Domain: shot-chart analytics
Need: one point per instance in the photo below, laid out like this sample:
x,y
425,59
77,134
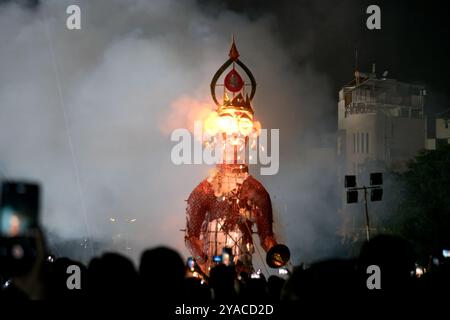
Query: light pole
x,y
376,194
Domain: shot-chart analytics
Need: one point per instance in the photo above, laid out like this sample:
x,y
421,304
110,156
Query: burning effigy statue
x,y
223,210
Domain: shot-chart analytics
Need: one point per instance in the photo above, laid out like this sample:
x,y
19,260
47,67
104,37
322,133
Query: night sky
x,y
411,44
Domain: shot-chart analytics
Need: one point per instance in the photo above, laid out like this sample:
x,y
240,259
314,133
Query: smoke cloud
x,y
88,113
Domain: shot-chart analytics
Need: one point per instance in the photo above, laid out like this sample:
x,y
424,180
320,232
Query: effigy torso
x,y
232,203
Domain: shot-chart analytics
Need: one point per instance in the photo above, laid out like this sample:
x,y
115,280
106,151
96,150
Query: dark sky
x,y
411,44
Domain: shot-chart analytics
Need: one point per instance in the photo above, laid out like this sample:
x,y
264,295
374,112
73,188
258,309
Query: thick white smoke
x,y
87,112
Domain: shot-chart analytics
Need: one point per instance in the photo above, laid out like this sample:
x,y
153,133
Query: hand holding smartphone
x,y
19,212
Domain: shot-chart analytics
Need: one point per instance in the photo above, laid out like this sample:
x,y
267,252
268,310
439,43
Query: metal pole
x,y
215,238
367,214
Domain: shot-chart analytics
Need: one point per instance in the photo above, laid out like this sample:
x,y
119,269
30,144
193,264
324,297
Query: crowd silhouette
x,y
163,277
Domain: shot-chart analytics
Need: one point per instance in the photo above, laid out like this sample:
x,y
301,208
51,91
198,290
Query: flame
x,y
245,126
236,124
232,122
211,125
183,112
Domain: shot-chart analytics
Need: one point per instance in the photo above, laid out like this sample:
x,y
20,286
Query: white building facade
x,y
441,133
381,126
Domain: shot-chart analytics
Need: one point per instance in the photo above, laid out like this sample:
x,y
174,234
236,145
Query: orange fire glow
x,y
232,122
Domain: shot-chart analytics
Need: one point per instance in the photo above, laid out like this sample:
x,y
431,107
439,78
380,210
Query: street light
x,y
376,193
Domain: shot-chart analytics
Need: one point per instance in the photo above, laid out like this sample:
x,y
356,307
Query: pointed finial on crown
x,y
234,54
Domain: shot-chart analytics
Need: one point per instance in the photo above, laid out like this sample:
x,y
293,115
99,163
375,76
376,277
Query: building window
x,y
354,143
357,142
362,142
367,142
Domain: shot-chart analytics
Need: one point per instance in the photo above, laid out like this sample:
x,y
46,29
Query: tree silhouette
x,y
423,213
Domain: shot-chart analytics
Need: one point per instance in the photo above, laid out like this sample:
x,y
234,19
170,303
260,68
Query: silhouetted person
x,y
161,273
328,278
221,280
194,291
112,276
275,285
255,290
57,278
395,257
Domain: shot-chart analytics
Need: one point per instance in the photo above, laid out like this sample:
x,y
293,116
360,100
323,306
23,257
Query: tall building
x,y
381,126
440,130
